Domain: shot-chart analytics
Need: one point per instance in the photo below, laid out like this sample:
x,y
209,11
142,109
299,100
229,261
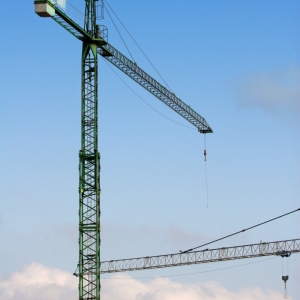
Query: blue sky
x,y
237,64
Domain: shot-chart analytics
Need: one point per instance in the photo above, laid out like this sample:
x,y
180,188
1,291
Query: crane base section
x,y
45,8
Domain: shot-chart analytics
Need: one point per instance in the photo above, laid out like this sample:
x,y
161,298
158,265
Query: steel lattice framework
x,y
200,257
89,167
89,180
150,84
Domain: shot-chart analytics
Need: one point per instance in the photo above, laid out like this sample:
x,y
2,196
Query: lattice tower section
x,y
89,183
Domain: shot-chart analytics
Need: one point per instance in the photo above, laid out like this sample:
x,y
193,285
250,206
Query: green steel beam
x,y
71,26
131,69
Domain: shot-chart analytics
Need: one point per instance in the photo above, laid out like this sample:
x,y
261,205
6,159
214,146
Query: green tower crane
x,y
94,41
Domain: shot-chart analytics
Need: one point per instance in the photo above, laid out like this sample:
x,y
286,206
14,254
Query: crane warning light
x,y
45,8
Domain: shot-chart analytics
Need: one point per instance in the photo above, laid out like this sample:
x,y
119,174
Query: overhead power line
x,y
240,231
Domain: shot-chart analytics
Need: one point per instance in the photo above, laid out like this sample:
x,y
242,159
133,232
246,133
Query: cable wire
x,y
186,274
240,231
138,46
119,33
147,102
206,182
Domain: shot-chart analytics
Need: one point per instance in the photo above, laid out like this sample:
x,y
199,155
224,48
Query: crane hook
x,y
204,147
285,279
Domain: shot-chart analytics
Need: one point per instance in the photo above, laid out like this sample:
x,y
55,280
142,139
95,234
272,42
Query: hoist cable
x,y
240,231
206,183
138,46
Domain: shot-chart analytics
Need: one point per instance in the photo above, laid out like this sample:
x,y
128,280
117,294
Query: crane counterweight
x,y
45,8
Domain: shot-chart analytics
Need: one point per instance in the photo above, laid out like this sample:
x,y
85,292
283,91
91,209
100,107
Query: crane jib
x,y
137,74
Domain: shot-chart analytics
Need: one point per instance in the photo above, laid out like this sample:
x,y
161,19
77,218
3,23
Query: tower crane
x,y
94,41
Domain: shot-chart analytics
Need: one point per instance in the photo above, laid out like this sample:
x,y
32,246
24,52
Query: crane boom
x,y
202,256
131,69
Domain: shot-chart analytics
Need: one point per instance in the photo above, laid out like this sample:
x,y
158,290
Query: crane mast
x,y
89,166
90,17
89,181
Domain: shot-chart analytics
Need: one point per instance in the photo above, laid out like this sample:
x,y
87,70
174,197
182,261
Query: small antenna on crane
x,y
206,183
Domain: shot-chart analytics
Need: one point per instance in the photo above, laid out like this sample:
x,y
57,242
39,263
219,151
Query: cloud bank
x,y
165,289
272,91
37,282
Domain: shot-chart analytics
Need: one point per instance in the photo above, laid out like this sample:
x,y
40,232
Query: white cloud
x,y
165,289
37,282
272,91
